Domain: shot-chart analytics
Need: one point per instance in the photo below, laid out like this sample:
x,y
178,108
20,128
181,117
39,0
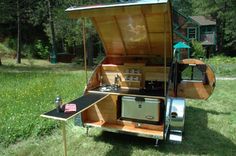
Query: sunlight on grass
x,y
210,129
24,96
33,65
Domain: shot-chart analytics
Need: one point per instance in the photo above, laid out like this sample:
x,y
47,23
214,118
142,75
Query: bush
x,y
198,50
41,50
10,43
4,50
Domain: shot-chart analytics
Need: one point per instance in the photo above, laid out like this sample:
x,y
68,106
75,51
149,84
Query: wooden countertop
x,y
131,92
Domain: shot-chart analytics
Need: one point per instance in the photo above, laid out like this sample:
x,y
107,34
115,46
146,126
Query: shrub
x,y
41,50
10,43
198,50
4,50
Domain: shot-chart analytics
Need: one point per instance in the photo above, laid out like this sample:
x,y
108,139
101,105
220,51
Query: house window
x,y
192,33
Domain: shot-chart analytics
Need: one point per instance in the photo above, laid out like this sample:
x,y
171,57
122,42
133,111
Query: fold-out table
x,y
82,103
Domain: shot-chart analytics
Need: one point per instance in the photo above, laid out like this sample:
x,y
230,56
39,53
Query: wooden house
x,y
200,28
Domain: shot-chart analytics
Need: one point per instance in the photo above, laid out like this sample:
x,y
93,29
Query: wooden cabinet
x,y
132,76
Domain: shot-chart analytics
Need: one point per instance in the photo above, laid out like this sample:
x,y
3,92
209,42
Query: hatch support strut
x,y
85,51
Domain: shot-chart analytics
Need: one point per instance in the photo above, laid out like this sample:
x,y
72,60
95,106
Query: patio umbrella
x,y
181,45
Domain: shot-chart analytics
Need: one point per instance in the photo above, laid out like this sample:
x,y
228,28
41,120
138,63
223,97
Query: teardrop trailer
x,y
139,88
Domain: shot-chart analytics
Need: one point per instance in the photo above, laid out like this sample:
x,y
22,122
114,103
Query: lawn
x,y
27,91
210,127
223,66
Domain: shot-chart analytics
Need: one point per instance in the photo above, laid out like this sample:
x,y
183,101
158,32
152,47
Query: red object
x,y
70,108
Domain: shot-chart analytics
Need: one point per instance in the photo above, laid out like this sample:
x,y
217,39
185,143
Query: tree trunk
x,y
18,51
53,52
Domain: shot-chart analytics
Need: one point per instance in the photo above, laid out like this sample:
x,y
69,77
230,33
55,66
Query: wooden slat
x,y
147,31
121,36
99,33
165,44
130,129
135,31
105,110
142,125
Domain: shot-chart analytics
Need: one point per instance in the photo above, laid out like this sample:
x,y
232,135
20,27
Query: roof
x,y
142,28
203,20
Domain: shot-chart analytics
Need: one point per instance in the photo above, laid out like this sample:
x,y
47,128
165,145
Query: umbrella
x,y
181,45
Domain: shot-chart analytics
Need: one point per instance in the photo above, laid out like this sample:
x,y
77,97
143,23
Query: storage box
x,y
140,108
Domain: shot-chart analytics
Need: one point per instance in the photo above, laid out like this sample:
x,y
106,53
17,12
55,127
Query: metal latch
x,y
149,117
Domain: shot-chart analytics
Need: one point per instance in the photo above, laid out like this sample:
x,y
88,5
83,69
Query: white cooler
x,y
139,108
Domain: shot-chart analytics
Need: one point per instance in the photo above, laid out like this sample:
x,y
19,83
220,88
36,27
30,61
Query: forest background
x,y
41,28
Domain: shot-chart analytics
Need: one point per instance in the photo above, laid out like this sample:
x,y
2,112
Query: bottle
x,y
58,103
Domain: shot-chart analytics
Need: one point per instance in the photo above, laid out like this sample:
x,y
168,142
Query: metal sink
x,y
108,88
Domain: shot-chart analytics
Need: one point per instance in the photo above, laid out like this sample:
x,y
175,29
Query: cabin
x,y
138,89
200,28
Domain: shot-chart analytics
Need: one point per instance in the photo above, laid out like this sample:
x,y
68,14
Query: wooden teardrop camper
x,y
139,88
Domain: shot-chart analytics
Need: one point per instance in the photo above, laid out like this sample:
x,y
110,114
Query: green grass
x,y
223,65
5,50
32,65
26,92
210,129
26,95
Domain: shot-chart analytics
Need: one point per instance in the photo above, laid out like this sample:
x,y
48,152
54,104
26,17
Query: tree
x,y
184,6
224,12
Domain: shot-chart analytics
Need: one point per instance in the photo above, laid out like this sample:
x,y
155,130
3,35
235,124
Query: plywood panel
x,y
153,9
157,42
155,73
155,23
109,32
127,30
193,90
153,133
105,110
197,90
149,73
143,125
134,33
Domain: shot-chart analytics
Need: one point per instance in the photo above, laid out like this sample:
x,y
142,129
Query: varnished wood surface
x,y
143,125
195,89
104,110
147,73
132,30
125,128
82,103
132,92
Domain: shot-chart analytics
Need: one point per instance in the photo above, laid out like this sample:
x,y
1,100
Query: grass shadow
x,y
198,139
41,68
124,144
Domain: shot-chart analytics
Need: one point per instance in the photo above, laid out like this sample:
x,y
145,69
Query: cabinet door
x,y
195,79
